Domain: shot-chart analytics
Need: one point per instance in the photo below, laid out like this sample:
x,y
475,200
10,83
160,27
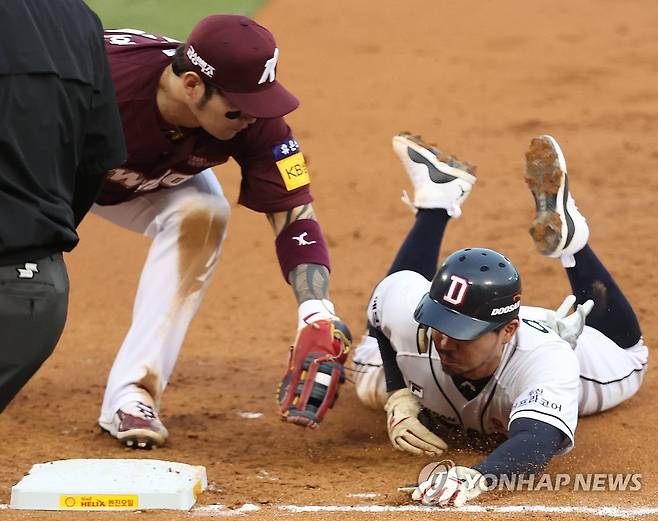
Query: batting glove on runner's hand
x,y
315,371
452,488
569,327
404,428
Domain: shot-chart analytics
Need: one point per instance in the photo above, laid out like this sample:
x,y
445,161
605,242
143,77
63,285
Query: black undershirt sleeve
x,y
530,446
394,379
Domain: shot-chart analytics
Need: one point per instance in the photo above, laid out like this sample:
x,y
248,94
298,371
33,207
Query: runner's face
x,y
473,359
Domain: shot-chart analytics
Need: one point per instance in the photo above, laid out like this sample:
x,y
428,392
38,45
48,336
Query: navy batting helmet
x,y
475,291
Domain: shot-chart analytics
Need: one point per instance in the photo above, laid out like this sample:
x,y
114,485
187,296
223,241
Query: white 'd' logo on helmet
x,y
269,74
456,291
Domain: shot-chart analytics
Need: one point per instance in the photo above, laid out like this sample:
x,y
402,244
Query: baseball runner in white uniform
x,y
461,352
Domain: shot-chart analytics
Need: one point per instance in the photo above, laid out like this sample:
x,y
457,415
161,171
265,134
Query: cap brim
x,y
450,322
273,102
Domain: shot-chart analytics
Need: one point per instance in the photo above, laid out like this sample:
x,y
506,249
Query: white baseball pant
x,y
187,225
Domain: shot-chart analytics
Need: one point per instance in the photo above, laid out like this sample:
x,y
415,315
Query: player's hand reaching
x,y
315,371
404,428
569,327
452,488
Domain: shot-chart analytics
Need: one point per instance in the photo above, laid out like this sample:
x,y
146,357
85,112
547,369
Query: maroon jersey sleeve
x,y
274,174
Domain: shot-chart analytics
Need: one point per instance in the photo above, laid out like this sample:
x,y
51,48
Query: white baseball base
x,y
109,484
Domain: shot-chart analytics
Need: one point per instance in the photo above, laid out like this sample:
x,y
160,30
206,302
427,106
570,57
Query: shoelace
x,y
145,411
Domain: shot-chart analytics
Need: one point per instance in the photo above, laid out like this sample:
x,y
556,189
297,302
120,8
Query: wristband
x,y
301,242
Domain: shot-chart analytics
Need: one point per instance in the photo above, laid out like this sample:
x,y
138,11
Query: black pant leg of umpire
x,y
32,316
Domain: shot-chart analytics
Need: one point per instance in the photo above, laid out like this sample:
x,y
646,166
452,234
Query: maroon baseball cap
x,y
239,57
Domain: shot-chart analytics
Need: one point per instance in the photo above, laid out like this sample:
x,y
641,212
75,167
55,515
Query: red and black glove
x,y
315,371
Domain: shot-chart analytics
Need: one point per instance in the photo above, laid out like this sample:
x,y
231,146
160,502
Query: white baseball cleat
x,y
137,425
559,229
438,182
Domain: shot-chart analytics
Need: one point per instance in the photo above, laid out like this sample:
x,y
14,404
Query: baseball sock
x,y
612,314
420,250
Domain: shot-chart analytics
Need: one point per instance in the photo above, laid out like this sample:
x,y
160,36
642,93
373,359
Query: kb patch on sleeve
x,y
291,164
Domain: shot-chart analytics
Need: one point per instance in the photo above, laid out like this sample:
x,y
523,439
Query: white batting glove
x,y
452,488
569,327
405,430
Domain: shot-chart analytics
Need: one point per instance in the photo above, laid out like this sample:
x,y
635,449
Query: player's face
x,y
473,359
216,115
220,118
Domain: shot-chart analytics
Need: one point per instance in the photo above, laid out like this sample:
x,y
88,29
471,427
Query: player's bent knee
x,y
205,217
203,227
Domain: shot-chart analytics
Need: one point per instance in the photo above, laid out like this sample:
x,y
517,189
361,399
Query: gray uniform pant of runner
x,y
33,307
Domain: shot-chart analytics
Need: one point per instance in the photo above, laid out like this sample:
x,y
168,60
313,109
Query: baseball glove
x,y
315,371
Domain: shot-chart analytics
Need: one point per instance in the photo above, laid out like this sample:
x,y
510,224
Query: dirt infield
x,y
480,78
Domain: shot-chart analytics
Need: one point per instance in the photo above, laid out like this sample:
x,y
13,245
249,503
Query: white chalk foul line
x,y
248,508
602,511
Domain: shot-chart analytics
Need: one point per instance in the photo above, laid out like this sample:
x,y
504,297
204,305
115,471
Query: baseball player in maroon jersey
x,y
186,108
